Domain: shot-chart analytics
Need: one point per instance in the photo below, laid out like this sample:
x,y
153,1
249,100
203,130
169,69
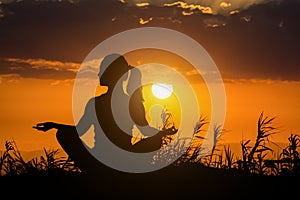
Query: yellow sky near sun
x,y
30,101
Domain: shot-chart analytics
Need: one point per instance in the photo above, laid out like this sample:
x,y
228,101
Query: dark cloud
x,y
203,6
38,68
260,41
266,45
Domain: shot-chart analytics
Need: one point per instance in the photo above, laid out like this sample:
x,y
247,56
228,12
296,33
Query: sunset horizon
x,y
150,99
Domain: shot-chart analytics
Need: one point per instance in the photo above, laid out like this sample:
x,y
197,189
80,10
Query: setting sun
x,y
162,91
110,98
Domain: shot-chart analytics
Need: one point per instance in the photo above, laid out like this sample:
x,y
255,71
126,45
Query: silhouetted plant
x,y
252,156
260,166
12,162
290,155
229,155
193,151
167,119
2,161
184,149
274,168
213,155
167,122
52,161
168,152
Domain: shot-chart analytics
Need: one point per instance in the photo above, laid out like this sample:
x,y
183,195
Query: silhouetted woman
x,y
98,113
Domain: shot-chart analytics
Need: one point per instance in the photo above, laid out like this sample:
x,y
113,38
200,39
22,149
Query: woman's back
x,y
118,136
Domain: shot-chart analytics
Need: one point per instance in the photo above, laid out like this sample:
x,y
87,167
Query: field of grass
x,y
219,174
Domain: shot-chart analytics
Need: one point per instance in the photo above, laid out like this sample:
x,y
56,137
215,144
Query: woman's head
x,y
112,69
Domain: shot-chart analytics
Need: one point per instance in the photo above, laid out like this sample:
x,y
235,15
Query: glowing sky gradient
x,y
254,43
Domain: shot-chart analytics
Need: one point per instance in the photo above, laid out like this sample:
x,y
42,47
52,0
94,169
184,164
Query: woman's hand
x,y
170,131
45,126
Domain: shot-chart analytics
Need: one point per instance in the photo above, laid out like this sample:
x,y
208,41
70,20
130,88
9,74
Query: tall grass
x,y
185,150
229,158
193,151
12,162
255,154
290,156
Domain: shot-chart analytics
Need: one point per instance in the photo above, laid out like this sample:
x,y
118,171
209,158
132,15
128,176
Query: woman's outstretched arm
x,y
46,126
82,126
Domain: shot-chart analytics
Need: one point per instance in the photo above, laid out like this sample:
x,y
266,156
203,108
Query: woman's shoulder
x,y
93,100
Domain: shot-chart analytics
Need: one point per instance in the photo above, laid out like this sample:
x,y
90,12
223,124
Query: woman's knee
x,y
66,135
59,136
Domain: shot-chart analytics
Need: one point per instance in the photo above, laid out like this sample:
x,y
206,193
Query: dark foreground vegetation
x,y
218,174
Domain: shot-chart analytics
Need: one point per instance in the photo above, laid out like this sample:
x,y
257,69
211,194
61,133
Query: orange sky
x,y
25,102
43,43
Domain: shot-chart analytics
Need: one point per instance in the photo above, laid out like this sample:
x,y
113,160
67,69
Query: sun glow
x,y
162,91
